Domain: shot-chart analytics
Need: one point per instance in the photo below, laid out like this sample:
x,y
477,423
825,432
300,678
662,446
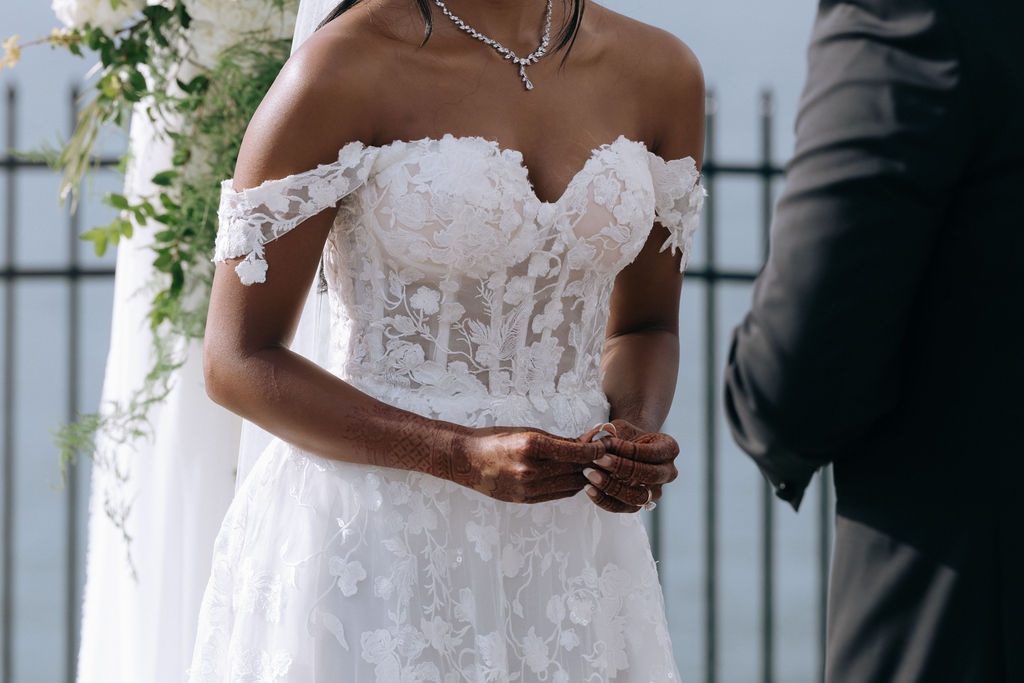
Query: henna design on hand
x,y
636,462
510,464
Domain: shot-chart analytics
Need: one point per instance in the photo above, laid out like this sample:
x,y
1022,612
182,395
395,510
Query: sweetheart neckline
x,y
518,159
493,147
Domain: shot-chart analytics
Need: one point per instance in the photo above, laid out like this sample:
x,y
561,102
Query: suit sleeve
x,y
815,365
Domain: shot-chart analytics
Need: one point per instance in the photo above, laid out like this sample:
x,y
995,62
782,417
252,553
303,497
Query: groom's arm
x,y
816,364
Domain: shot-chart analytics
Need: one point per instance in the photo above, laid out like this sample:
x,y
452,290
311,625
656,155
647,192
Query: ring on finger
x,y
649,504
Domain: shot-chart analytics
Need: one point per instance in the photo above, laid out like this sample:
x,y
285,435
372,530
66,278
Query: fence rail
x,y
764,170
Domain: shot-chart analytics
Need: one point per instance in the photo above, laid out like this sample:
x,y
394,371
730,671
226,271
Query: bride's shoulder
x,y
338,65
322,99
662,71
654,57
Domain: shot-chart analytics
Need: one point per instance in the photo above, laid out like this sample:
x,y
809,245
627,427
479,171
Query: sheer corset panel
x,y
455,292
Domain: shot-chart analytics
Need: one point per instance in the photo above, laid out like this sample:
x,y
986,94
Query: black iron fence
x,y
12,275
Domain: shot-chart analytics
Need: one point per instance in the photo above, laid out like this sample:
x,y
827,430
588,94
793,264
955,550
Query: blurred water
x,y
744,47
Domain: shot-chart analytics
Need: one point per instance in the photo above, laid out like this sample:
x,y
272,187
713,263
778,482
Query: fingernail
x,y
592,475
604,461
591,491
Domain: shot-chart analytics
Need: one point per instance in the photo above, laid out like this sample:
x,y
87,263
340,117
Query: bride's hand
x,y
519,465
634,468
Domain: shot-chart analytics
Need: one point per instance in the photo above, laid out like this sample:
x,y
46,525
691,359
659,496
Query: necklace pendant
x,y
526,80
521,62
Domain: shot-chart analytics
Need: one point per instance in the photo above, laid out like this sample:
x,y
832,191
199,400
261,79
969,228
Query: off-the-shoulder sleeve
x,y
678,200
252,218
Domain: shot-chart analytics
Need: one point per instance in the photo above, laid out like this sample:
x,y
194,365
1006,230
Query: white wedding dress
x,y
457,294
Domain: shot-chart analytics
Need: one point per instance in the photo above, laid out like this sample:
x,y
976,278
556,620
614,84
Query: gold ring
x,y
610,428
649,504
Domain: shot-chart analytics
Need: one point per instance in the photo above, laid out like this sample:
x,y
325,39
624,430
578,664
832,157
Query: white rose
x,y
208,39
100,14
220,24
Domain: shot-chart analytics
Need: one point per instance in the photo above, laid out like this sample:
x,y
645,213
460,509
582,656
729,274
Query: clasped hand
x,y
520,465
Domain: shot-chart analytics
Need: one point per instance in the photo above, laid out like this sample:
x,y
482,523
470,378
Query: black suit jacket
x,y
886,334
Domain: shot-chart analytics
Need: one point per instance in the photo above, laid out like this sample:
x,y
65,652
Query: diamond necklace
x,y
522,62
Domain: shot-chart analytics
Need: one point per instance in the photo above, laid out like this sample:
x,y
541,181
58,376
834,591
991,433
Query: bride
x,y
497,198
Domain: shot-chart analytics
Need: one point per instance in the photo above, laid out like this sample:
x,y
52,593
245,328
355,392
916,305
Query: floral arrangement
x,y
198,69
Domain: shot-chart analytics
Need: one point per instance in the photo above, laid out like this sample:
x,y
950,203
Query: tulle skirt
x,y
328,571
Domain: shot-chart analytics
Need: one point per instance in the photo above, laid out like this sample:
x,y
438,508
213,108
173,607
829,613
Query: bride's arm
x,y
250,370
641,354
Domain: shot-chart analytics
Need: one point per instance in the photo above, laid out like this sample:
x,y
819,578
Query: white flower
x,y
411,209
273,668
322,193
581,255
484,538
492,650
378,645
540,264
252,270
615,582
569,640
421,517
402,324
580,610
550,319
219,25
405,356
487,355
411,643
511,560
438,633
629,208
517,290
606,190
349,574
429,373
398,492
536,652
99,14
617,231
208,40
426,299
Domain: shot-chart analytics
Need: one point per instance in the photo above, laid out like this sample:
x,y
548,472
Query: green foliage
x,y
126,58
211,112
214,110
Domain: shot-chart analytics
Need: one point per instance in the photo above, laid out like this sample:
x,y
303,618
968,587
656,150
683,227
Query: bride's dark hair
x,y
566,37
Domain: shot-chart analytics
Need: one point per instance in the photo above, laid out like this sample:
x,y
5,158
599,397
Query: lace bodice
x,y
455,292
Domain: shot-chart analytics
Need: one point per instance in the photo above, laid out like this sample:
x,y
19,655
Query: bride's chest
x,y
465,205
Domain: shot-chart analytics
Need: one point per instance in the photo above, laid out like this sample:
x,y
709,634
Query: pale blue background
x,y
745,46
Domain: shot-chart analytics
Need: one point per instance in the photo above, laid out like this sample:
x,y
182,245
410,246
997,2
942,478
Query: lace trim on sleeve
x,y
678,199
252,218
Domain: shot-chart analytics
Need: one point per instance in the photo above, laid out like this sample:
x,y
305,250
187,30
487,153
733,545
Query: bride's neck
x,y
503,20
